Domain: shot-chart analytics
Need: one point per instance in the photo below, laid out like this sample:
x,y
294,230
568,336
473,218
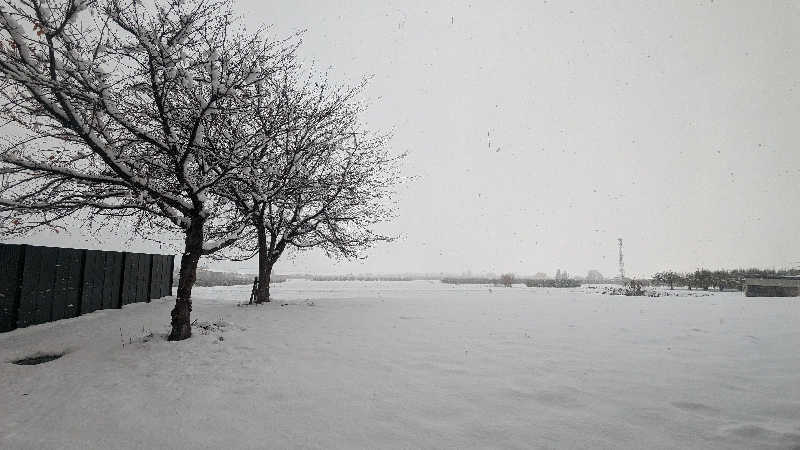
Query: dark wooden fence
x,y
43,284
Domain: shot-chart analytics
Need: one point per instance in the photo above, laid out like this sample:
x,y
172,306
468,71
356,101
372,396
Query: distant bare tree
x,y
507,279
115,107
703,278
668,278
688,280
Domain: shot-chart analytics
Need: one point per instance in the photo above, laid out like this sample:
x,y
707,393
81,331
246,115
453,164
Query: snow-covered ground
x,y
412,365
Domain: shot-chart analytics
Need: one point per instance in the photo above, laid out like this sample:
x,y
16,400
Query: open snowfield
x,y
412,365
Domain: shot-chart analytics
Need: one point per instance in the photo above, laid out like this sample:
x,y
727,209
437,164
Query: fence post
x,y
79,308
17,289
150,258
122,280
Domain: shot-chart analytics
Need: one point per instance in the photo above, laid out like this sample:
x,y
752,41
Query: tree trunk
x,y
193,249
264,273
264,267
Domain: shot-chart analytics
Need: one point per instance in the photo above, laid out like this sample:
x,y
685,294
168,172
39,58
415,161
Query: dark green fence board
x,y
112,277
143,278
10,278
26,304
160,283
43,291
166,280
131,271
169,275
66,292
155,277
36,295
93,277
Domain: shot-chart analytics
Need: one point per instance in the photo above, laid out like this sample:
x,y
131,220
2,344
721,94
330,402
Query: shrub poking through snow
x,y
216,326
634,288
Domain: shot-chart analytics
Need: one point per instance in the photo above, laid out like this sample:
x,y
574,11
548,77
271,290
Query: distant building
x,y
772,287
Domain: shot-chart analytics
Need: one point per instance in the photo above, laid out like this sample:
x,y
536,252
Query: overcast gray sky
x,y
540,131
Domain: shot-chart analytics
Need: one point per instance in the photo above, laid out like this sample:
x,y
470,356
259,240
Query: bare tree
x,y
114,108
667,277
322,182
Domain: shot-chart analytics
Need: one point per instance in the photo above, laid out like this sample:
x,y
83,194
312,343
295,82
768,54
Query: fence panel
x,y
136,279
155,277
93,278
66,290
169,261
112,279
130,272
143,278
164,275
38,277
26,304
10,274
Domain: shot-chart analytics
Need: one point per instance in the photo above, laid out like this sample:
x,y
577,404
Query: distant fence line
x,y
43,284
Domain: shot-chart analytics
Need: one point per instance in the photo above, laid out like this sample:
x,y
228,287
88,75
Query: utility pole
x,y
621,262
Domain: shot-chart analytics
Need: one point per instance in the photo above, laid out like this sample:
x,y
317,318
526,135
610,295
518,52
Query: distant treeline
x,y
212,278
553,283
719,279
351,277
506,280
471,281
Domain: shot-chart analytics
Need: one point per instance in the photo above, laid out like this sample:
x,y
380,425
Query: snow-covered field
x,y
412,365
